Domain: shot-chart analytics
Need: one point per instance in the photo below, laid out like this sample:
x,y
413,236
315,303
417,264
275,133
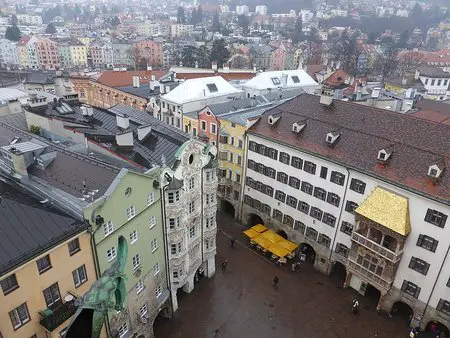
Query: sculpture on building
x,y
107,293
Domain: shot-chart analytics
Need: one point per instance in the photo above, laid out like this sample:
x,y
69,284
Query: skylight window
x,y
276,81
212,87
295,79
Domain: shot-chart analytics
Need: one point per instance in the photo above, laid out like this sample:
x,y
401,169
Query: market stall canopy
x,y
263,242
288,245
278,250
259,228
272,236
251,233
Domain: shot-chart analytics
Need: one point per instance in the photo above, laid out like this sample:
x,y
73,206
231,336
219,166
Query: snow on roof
x,y
294,78
200,88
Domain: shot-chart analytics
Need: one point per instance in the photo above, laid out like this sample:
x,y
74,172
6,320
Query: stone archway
x,y
437,328
308,251
227,208
283,234
338,273
254,219
403,311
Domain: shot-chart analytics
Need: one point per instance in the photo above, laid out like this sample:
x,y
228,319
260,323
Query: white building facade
x,y
190,208
390,235
9,56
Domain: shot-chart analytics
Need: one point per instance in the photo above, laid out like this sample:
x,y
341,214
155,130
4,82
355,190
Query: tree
x,y
297,34
13,33
216,23
403,39
136,56
14,20
346,52
181,18
50,28
194,16
243,22
219,52
387,62
189,56
239,62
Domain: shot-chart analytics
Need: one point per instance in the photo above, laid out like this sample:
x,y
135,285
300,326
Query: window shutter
x,y
440,304
443,220
427,266
412,263
404,285
420,240
428,215
416,294
434,246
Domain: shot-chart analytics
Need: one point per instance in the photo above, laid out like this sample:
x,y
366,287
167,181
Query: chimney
x,y
87,111
152,85
326,97
143,132
226,69
284,78
254,68
376,92
214,65
123,121
125,139
153,77
196,64
167,88
136,83
149,68
397,105
358,95
404,81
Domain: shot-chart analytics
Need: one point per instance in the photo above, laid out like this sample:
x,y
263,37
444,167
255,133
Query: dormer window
x,y
212,87
273,119
435,170
298,126
331,138
276,81
384,154
295,79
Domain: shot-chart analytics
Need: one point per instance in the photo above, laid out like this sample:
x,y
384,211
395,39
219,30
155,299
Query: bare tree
x,y
346,52
387,62
239,61
409,61
136,56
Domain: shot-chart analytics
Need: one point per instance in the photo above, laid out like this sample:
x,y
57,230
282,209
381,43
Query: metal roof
x,y
9,94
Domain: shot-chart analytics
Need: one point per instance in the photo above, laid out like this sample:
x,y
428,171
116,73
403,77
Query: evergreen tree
x,y
297,34
243,22
14,20
216,23
219,52
13,33
50,28
181,18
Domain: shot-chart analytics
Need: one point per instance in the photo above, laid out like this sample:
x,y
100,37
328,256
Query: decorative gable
x,y
332,137
385,154
436,170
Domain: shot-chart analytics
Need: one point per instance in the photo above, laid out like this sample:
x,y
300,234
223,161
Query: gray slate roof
x,y
28,228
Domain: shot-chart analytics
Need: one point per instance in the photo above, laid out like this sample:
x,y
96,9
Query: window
x,y
131,212
210,175
174,196
410,288
337,177
123,329
288,220
111,253
433,82
272,153
320,193
192,232
443,306
174,222
44,264
238,178
156,269
240,143
143,310
350,207
278,215
212,87
323,172
154,244
232,141
284,158
279,195
253,146
299,226
329,219
419,265
358,186
139,286
270,172
150,198
158,291
74,246
191,183
294,182
52,296
307,188
276,81
346,228
108,228
9,284
239,159
311,233
295,79
282,177
231,158
324,240
309,167
213,128
316,213
192,206
342,249
203,125
427,243
79,276
152,221
303,207
210,221
19,316
291,201
296,162
435,217
136,261
133,237
333,199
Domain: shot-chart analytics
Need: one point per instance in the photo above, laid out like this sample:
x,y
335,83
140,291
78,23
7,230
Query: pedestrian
x,y
293,266
275,281
232,241
224,265
355,306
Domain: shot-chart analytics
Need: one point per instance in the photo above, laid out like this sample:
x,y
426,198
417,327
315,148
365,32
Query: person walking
x,y
275,282
224,265
232,241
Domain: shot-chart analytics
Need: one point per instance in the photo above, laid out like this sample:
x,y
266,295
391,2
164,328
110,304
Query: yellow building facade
x,y
69,273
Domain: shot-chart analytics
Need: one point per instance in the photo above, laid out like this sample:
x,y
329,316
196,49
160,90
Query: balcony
x,y
52,319
353,266
374,246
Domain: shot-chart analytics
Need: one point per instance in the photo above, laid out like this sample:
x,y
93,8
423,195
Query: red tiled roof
x,y
433,111
313,69
417,143
125,78
337,78
226,76
24,40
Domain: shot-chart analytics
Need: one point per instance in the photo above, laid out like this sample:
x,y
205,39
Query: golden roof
x,y
259,228
388,209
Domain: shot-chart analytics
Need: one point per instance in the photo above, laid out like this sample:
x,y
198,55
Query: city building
x,y
179,30
242,9
333,176
101,54
192,95
73,53
436,83
152,51
261,10
26,48
47,53
29,20
9,57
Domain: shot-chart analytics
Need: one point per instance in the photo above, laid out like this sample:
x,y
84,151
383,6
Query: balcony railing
x,y
54,318
374,246
352,265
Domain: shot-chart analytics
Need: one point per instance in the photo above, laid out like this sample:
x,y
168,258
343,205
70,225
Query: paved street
x,y
241,302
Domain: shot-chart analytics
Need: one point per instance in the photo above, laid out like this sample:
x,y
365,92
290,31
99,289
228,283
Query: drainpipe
x,y
340,215
244,176
434,285
201,215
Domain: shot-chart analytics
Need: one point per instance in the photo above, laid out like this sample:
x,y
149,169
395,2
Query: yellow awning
x,y
388,209
288,245
278,250
251,233
272,236
259,228
261,241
